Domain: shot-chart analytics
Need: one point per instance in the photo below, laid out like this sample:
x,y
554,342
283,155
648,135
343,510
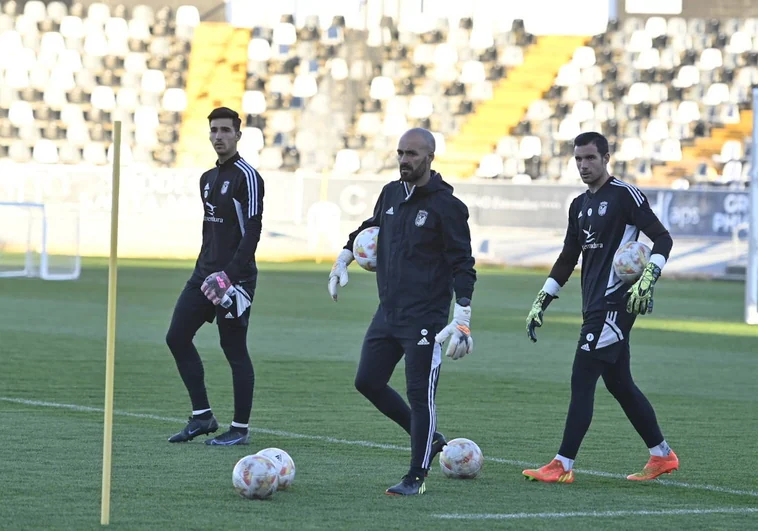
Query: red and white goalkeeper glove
x,y
459,333
215,287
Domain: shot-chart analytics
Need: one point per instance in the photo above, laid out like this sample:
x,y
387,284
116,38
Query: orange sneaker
x,y
552,472
656,466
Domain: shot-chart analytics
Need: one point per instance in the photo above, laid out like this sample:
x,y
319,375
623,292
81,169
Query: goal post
x,y
39,241
751,272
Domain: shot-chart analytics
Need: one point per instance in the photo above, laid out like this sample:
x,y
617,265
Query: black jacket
x,y
232,195
423,250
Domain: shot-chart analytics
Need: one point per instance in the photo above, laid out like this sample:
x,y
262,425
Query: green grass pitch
x,y
693,357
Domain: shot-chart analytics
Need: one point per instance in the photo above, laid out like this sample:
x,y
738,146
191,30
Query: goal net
x,y
39,241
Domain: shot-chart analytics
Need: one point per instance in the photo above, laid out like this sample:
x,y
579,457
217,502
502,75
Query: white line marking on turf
x,y
366,444
596,514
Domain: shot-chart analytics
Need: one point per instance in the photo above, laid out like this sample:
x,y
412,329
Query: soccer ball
x,y
364,248
461,459
630,260
284,464
255,477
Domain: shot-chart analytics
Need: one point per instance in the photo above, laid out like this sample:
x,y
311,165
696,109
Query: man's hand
x,y
339,272
458,331
534,318
215,287
641,293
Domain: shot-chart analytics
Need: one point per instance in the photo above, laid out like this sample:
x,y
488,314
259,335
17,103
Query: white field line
x,y
366,444
596,514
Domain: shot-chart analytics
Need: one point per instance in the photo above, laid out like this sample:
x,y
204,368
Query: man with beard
x,y
423,257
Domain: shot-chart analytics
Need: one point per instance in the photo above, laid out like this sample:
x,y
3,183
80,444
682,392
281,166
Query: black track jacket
x,y
423,250
232,195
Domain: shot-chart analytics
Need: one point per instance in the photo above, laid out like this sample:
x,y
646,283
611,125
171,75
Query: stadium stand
x,y
671,94
68,72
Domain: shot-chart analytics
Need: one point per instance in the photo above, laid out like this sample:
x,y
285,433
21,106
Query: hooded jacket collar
x,y
435,184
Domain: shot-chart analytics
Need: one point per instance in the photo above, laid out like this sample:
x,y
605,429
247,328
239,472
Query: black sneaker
x,y
438,444
230,438
194,428
410,486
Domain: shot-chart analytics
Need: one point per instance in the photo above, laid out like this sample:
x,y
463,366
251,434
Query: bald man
x,y
423,258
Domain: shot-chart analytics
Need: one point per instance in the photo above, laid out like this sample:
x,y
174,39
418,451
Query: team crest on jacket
x,y
224,187
602,208
421,217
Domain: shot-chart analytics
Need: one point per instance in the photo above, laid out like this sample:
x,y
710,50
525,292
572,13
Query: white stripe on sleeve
x,y
633,190
251,175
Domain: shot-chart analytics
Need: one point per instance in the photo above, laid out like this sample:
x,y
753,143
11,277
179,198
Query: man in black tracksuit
x,y
423,256
223,283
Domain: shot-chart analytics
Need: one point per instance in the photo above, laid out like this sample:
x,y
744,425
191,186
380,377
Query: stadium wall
x,y
308,216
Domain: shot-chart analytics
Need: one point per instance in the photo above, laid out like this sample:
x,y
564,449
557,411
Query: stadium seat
x,y
103,98
472,73
153,81
21,113
382,88
259,50
187,19
731,150
338,69
19,151
420,106
347,161
45,151
305,86
490,166
174,100
253,102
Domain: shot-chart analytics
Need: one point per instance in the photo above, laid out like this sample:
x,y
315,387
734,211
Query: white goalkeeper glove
x,y
458,331
339,272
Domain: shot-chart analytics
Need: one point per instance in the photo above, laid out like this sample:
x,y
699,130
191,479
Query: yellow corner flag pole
x,y
110,342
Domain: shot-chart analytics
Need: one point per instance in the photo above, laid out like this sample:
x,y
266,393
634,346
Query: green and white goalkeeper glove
x,y
339,272
534,318
459,333
641,293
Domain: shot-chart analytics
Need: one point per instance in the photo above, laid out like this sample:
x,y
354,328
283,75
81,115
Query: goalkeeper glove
x,y
339,272
215,286
641,293
534,318
458,331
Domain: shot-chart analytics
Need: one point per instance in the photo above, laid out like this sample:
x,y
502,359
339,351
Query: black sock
x,y
417,473
204,416
235,428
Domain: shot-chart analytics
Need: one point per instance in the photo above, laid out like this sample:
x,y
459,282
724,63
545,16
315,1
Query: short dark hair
x,y
226,112
601,143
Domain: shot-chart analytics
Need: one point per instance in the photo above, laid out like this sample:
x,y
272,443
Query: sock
x,y
567,463
661,450
417,473
236,426
202,414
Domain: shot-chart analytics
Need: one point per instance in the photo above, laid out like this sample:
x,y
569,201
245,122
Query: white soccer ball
x,y
255,477
364,248
461,459
284,464
630,260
